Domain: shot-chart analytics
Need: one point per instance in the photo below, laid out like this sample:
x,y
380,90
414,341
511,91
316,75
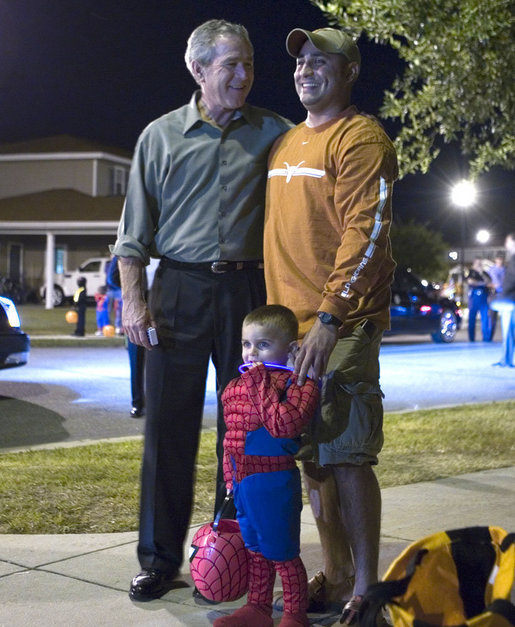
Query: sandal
x,y
317,595
324,596
351,610
316,586
318,591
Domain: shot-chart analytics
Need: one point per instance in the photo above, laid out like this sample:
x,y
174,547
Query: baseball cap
x,y
329,40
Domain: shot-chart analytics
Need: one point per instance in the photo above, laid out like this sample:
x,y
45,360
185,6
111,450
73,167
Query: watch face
x,y
327,318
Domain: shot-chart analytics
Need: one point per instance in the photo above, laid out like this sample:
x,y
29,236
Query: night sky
x,y
103,69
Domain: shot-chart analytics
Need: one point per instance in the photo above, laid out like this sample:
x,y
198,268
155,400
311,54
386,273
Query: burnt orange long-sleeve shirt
x,y
327,221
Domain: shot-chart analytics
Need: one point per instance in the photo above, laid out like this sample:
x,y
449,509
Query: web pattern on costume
x,y
261,398
219,562
295,585
293,578
261,579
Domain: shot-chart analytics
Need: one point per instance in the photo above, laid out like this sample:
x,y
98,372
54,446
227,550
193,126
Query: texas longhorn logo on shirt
x,y
295,170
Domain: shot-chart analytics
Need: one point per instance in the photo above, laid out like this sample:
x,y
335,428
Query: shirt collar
x,y
194,116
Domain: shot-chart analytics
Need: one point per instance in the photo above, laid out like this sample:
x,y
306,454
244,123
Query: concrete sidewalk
x,y
82,580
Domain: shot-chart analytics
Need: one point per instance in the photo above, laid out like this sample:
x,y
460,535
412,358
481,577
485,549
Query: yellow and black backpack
x,y
458,578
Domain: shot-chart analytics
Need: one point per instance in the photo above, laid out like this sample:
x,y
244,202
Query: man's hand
x,y
136,317
315,350
136,320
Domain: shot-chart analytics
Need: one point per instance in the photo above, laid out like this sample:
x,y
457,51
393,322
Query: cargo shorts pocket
x,y
350,425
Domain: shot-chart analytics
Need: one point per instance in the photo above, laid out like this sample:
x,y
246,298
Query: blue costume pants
x,y
268,509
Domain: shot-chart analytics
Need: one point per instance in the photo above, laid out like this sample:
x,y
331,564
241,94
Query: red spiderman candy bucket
x,y
219,560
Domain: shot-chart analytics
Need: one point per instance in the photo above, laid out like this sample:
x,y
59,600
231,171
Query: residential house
x,y
60,202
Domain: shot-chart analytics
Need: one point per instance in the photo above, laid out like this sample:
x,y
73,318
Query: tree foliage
x,y
457,81
418,247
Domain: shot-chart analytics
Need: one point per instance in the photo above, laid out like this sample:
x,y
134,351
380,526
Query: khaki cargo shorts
x,y
350,428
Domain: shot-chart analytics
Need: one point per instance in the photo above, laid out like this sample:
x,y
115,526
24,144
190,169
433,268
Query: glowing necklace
x,y
244,367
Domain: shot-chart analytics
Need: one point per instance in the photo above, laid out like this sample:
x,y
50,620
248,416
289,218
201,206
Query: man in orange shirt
x,y
328,258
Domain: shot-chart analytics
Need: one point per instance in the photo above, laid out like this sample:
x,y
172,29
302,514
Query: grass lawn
x,y
95,488
36,320
40,323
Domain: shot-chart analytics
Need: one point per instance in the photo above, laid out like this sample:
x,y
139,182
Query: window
x,y
15,256
118,181
60,258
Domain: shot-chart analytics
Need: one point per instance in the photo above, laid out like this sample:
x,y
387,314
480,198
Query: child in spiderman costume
x,y
265,411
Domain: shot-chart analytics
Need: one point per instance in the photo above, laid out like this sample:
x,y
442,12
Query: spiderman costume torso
x,y
265,411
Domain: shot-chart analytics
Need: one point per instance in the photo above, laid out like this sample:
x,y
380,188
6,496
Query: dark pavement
x,y
82,393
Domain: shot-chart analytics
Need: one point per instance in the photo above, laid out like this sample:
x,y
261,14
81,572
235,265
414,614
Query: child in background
x,y
265,411
80,300
114,291
102,300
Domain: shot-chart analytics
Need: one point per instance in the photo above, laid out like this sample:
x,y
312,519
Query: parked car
x,y
419,309
65,285
14,343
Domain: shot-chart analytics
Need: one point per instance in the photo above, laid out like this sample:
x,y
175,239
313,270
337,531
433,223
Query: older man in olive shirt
x,y
196,199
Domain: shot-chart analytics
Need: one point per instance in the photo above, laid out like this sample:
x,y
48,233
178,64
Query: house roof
x,y
61,144
59,205
64,211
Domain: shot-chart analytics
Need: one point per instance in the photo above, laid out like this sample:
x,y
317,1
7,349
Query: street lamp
x,y
463,195
482,237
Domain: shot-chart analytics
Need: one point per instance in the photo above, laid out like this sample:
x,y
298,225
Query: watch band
x,y
327,318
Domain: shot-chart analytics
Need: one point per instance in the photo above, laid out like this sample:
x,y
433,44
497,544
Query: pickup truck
x,y
65,285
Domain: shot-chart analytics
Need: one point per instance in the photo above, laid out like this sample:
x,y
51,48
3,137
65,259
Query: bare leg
x,y
325,503
360,500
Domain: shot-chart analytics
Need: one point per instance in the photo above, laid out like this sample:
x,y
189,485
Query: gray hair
x,y
203,39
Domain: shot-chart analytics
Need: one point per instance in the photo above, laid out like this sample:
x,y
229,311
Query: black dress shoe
x,y
136,412
151,584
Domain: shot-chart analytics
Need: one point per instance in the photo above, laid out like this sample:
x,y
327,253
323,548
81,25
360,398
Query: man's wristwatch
x,y
327,318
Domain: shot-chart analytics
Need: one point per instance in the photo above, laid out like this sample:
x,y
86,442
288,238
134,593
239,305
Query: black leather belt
x,y
216,267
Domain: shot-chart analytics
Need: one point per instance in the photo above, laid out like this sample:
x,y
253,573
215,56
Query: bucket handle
x,y
228,499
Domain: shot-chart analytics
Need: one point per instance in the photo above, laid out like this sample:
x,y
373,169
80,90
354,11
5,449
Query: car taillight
x,y
425,308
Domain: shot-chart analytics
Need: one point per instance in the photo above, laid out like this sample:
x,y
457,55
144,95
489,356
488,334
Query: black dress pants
x,y
198,316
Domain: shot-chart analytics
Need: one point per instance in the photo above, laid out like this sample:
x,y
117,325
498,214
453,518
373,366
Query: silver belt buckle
x,y
217,267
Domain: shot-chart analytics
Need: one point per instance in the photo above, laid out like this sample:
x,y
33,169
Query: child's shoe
x,y
249,615
294,620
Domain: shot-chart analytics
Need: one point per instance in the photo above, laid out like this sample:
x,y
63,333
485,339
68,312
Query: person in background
x,y
114,292
496,273
505,305
80,301
265,412
136,352
102,309
478,281
195,199
328,258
